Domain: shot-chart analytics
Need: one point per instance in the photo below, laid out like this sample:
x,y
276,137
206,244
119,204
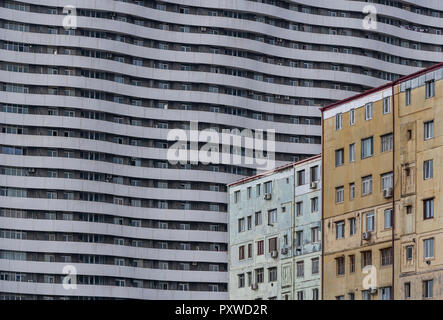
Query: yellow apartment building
x,y
382,214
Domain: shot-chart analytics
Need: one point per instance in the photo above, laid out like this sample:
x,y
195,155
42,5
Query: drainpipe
x,y
292,233
393,191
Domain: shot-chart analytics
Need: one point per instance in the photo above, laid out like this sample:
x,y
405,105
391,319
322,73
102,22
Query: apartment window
x,y
249,277
366,258
430,88
352,117
342,297
408,96
241,280
272,274
315,294
315,234
315,263
386,142
268,187
351,191
428,208
429,129
370,218
241,224
367,147
259,275
351,263
428,288
236,196
385,293
340,230
258,218
351,295
407,288
366,184
428,248
340,264
366,295
260,247
249,192
183,286
352,152
409,252
386,181
386,105
314,204
257,190
300,177
339,194
241,253
428,169
352,226
299,295
386,256
272,243
314,174
368,111
338,121
272,216
300,269
388,218
299,208
249,220
339,157
299,239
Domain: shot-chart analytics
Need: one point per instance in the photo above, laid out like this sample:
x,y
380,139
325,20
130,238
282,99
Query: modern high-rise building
x,y
90,91
381,157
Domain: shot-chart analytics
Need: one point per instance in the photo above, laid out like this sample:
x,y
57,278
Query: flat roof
x,y
384,86
269,172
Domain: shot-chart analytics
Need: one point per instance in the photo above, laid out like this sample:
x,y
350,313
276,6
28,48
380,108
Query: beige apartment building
x,y
382,217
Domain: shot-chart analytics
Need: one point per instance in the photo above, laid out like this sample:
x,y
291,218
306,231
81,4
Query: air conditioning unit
x,y
387,193
254,286
203,29
287,97
284,250
313,185
31,170
267,196
194,263
366,235
274,254
373,290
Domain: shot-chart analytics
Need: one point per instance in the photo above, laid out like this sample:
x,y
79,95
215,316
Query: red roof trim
x,y
267,173
390,84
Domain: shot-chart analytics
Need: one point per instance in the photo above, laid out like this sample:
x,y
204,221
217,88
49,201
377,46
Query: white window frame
x,y
428,169
386,105
366,185
428,129
352,117
370,216
339,194
338,121
369,111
